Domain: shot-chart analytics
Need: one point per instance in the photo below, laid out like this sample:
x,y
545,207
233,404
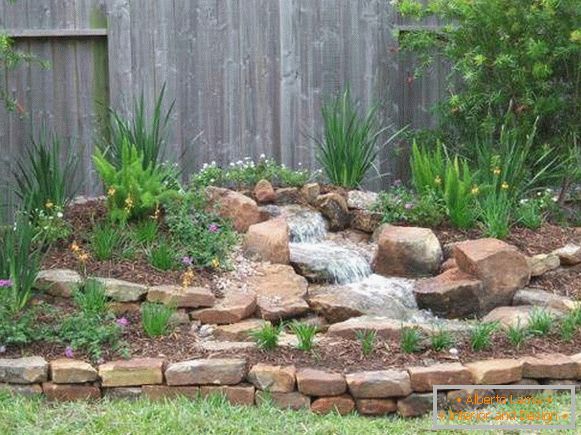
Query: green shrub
x,y
481,335
459,193
266,337
441,339
51,224
16,329
155,318
132,190
410,339
495,214
540,321
20,259
568,327
305,334
198,232
367,339
90,333
428,168
162,256
348,148
517,334
92,298
401,205
106,240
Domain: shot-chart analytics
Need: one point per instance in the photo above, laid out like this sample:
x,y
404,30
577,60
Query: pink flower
x,y
213,228
408,206
187,261
5,283
122,321
69,352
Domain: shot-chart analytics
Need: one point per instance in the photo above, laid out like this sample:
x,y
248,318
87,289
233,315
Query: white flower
x,y
453,351
300,164
263,156
59,214
213,163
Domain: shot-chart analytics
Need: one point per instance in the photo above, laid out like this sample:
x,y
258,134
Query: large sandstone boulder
x,y
58,282
501,268
280,292
365,220
268,241
334,207
242,210
543,263
264,192
407,251
310,192
569,255
452,294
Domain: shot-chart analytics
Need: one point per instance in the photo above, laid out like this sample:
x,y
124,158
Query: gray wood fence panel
x,y
248,76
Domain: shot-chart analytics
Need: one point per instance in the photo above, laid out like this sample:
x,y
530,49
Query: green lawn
x,y
214,416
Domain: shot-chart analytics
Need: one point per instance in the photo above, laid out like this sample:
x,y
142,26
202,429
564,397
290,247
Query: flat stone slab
x,y
542,298
133,372
58,282
515,316
123,291
379,384
219,371
70,371
160,392
241,394
26,390
124,393
273,378
424,378
312,382
496,371
551,366
415,405
294,400
234,307
28,370
385,328
222,346
376,407
238,331
180,297
70,392
343,404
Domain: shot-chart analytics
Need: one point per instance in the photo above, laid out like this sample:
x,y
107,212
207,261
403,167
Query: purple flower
x,y
5,283
408,206
69,352
213,228
122,321
2,349
187,261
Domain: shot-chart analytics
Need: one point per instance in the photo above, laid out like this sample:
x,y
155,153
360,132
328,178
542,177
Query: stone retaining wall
x,y
405,391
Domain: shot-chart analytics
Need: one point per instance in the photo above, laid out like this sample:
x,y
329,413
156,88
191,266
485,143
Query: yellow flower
x,y
83,257
475,190
111,191
438,180
49,205
496,171
215,263
504,185
75,247
188,278
129,202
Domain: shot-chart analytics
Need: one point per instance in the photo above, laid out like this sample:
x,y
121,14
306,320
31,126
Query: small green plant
x,y
367,339
91,298
481,335
266,338
517,334
540,321
16,329
51,224
441,339
348,148
401,205
155,318
145,231
428,167
106,240
568,326
459,193
162,256
305,334
495,213
410,339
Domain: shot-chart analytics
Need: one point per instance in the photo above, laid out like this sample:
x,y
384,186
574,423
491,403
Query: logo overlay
x,y
522,407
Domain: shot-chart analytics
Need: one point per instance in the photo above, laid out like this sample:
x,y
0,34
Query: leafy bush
x,y
42,182
162,256
401,205
155,318
348,148
20,258
540,321
91,298
481,335
16,329
106,240
266,337
199,233
305,334
410,339
133,191
441,339
90,333
367,339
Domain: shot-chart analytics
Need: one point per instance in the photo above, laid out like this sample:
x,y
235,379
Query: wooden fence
x,y
248,76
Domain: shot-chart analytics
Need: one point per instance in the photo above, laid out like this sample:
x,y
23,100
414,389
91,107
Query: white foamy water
x,y
305,225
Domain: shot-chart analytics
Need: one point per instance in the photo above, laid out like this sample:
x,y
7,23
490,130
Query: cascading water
x,y
305,225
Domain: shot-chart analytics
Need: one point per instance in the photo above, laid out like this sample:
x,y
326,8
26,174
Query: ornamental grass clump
x,y
266,337
305,334
367,339
155,318
540,321
410,339
481,335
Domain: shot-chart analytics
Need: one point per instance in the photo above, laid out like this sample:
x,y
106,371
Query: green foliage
x,y
144,232
42,181
410,339
198,232
91,298
133,191
20,258
155,318
305,334
266,337
441,339
540,321
530,214
428,167
51,224
459,192
106,241
348,148
481,335
148,136
499,56
517,334
367,339
495,213
401,205
162,255
16,329
568,327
